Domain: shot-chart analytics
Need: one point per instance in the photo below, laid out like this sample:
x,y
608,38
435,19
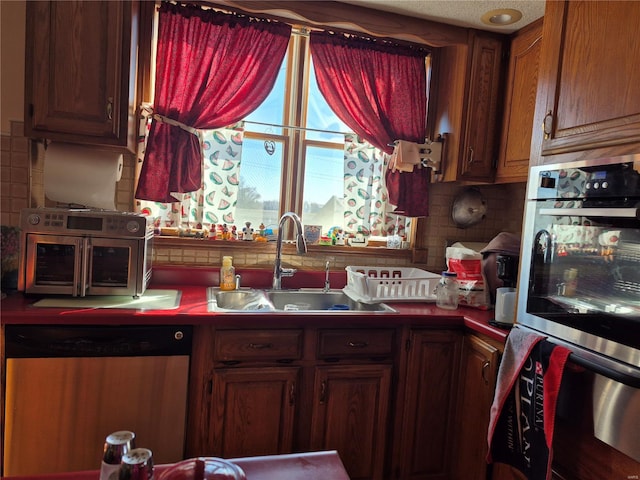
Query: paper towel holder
x,y
431,152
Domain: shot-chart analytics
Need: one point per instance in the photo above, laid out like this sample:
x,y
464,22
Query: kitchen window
x,y
292,153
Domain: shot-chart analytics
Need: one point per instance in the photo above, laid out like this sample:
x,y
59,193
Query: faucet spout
x,y
301,249
327,284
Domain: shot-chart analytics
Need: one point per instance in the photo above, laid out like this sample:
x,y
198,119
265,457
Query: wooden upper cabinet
x,y
478,157
81,72
588,102
467,101
519,105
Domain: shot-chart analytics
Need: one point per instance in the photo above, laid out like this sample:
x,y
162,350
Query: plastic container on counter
x,y
447,291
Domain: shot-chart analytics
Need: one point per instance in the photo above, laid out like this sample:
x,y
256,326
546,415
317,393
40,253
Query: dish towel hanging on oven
x,y
524,406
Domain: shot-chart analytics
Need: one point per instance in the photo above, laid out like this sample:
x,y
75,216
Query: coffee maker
x,y
507,271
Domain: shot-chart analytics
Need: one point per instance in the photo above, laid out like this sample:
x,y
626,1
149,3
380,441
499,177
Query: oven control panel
x,y
615,180
85,222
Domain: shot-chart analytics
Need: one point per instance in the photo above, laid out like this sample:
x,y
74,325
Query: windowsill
x,y
264,247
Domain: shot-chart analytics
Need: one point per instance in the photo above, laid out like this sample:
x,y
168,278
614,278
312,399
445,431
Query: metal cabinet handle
x,y
260,346
323,391
110,108
470,155
358,344
485,366
547,125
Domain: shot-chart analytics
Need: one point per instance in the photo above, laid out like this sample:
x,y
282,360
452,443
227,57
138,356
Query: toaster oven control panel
x,y
89,222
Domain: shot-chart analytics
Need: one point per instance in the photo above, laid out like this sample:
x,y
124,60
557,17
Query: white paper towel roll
x,y
80,175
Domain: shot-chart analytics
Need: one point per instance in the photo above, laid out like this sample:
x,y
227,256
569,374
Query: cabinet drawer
x,y
237,345
355,343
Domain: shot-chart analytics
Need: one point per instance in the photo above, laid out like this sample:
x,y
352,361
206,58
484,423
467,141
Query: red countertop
x,y
193,282
297,466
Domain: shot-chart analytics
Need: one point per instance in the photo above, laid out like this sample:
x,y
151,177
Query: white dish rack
x,y
383,284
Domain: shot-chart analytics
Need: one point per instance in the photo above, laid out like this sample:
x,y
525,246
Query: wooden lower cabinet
x,y
423,432
350,414
386,399
253,411
243,393
275,391
478,372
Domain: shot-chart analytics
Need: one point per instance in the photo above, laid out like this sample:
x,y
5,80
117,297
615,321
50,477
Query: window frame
x,y
363,20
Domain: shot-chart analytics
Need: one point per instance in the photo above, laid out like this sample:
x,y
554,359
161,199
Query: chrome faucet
x,y
301,249
327,284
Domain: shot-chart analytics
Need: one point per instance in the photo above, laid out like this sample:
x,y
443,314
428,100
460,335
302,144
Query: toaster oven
x,y
82,252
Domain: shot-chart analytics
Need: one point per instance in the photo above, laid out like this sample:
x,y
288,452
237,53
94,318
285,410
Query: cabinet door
x,y
478,373
80,72
252,411
423,448
479,154
350,415
519,105
589,87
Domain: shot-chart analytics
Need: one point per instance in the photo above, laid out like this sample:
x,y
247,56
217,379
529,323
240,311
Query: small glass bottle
x,y
137,464
116,445
447,291
227,274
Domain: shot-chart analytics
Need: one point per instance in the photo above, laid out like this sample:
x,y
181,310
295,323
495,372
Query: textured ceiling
x,y
463,13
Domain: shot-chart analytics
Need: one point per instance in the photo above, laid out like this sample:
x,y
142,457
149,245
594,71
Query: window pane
x,y
320,116
260,177
271,111
323,188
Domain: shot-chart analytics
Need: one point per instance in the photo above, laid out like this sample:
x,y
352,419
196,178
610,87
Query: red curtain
x,y
380,91
377,89
212,70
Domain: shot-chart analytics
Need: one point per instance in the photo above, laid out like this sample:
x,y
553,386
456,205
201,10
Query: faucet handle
x,y
287,272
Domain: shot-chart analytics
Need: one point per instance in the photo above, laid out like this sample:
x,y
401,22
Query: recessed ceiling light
x,y
501,16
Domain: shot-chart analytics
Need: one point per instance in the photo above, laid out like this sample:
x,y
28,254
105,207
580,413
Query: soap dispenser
x,y
227,274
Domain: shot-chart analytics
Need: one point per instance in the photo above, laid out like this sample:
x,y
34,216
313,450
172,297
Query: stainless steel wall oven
x,y
579,281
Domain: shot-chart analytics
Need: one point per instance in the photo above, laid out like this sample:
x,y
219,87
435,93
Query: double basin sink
x,y
248,300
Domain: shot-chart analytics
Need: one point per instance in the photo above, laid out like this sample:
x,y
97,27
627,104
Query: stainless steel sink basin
x,y
303,300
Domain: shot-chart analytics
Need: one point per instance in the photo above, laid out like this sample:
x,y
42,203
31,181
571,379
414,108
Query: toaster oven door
x,y
53,264
115,266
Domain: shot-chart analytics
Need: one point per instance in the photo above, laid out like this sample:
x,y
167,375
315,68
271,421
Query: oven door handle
x,y
592,212
85,274
630,379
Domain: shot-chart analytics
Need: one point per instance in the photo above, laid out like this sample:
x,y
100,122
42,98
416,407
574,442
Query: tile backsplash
x,y
23,186
15,174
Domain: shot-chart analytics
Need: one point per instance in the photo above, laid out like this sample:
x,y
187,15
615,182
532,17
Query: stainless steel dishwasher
x,y
68,387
